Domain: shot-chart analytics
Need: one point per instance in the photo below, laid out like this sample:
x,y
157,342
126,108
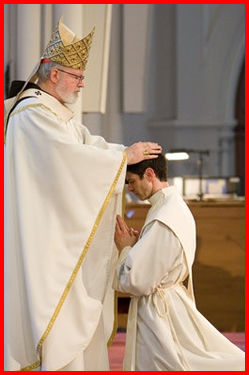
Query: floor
x,y
116,351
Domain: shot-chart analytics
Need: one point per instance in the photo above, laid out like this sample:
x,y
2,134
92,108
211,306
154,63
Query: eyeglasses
x,y
79,78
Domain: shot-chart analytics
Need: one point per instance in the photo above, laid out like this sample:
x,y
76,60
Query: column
x,y
135,53
28,39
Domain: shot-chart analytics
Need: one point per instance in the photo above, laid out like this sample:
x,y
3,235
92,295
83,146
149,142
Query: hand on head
x,y
141,151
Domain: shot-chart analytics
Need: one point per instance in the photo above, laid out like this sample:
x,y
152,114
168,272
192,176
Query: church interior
x,y
172,74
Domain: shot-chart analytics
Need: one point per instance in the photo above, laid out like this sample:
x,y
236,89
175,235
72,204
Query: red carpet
x,y
116,351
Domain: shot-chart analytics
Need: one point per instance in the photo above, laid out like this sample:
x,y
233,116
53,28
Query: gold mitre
x,y
66,49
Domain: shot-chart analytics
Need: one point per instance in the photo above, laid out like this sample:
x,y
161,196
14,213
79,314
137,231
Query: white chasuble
x,y
63,191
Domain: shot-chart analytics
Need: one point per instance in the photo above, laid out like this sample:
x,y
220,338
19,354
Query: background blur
x,y
170,73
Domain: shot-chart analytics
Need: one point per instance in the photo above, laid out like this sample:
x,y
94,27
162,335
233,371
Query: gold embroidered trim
x,y
31,367
83,254
32,106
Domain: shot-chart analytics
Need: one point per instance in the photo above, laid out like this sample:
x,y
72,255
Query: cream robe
x,y
63,191
165,330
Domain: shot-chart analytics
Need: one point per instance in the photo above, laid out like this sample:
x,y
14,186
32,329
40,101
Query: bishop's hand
x,y
142,151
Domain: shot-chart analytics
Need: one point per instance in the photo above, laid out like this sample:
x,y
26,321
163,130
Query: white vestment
x,y
165,330
63,190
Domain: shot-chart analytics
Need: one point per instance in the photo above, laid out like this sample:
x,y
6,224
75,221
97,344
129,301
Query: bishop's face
x,y
69,84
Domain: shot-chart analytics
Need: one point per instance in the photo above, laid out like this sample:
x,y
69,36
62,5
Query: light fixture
x,y
182,154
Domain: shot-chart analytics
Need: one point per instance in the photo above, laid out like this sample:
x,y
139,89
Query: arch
x,y
233,49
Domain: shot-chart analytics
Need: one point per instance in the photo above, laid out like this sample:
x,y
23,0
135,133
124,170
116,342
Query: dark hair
x,y
159,166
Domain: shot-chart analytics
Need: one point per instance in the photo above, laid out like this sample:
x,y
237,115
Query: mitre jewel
x,y
66,49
